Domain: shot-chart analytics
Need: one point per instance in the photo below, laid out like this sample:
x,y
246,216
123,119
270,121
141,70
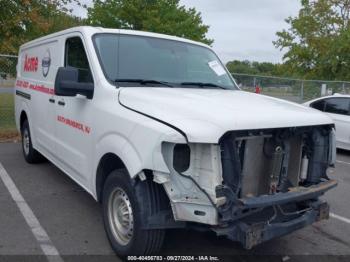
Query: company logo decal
x,y
30,64
85,129
46,62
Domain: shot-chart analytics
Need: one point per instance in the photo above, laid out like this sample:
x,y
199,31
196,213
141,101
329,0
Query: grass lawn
x,y
7,83
7,118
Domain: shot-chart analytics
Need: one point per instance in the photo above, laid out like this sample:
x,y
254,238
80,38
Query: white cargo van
x,y
155,128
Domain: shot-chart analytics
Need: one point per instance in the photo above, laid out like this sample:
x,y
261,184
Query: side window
x,y
319,105
75,56
338,106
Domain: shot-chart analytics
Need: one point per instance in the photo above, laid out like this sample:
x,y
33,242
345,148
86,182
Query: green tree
x,y
255,68
160,16
317,41
24,20
241,67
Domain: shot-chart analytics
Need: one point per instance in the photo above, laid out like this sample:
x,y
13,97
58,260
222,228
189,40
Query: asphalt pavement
x,y
72,221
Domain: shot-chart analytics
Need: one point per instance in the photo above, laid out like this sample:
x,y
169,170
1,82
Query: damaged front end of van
x,y
253,185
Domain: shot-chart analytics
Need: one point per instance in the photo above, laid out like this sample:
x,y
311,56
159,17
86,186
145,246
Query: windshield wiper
x,y
144,81
201,84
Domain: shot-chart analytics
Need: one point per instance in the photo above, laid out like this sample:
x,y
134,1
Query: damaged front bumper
x,y
294,194
252,235
237,227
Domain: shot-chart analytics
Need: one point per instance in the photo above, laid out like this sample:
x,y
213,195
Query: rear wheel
x,y
29,153
124,211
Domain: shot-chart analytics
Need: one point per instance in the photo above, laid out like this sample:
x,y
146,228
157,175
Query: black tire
x,y
30,154
144,201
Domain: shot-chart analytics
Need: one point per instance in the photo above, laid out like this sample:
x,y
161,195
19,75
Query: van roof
x,y
90,30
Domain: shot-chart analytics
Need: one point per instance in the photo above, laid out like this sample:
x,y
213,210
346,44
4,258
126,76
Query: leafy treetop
x,y
160,16
317,41
24,20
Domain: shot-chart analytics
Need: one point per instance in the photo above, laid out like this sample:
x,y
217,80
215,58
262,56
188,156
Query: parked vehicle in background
x,y
338,108
155,128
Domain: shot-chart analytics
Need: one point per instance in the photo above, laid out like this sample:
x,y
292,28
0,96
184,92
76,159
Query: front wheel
x,y
123,213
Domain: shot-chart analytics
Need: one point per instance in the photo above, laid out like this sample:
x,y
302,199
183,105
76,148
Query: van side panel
x,y
35,87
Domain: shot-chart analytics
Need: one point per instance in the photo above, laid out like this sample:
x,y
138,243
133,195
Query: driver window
x,y
75,56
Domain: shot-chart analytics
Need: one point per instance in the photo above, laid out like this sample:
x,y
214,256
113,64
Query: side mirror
x,y
67,84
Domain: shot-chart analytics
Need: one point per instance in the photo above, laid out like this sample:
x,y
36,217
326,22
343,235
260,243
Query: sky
x,y
241,29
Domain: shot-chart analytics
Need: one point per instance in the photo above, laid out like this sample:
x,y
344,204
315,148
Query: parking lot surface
x,y
72,219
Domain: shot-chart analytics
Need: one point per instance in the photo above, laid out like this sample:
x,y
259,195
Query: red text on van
x,y
30,64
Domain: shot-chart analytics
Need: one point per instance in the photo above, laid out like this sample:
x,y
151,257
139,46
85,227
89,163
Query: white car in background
x,y
338,108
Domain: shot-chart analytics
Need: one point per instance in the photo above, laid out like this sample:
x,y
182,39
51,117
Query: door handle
x,y
61,103
51,100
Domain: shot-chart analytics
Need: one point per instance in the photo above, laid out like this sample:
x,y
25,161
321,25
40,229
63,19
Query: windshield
x,y
139,60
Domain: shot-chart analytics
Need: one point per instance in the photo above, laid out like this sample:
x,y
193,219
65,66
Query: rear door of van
x,y
35,87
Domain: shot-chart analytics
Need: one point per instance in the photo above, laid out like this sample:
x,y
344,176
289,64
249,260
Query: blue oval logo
x,y
45,63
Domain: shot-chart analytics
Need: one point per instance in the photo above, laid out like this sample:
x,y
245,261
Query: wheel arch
x,y
108,163
21,108
23,115
114,152
22,118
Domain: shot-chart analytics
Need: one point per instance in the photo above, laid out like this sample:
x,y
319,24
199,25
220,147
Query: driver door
x,y
74,116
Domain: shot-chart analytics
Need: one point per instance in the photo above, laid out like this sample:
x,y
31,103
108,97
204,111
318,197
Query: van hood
x,y
205,115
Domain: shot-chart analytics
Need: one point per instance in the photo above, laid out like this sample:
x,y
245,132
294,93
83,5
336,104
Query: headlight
x,y
177,156
181,157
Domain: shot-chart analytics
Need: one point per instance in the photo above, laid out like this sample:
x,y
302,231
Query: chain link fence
x,y
295,90
7,82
